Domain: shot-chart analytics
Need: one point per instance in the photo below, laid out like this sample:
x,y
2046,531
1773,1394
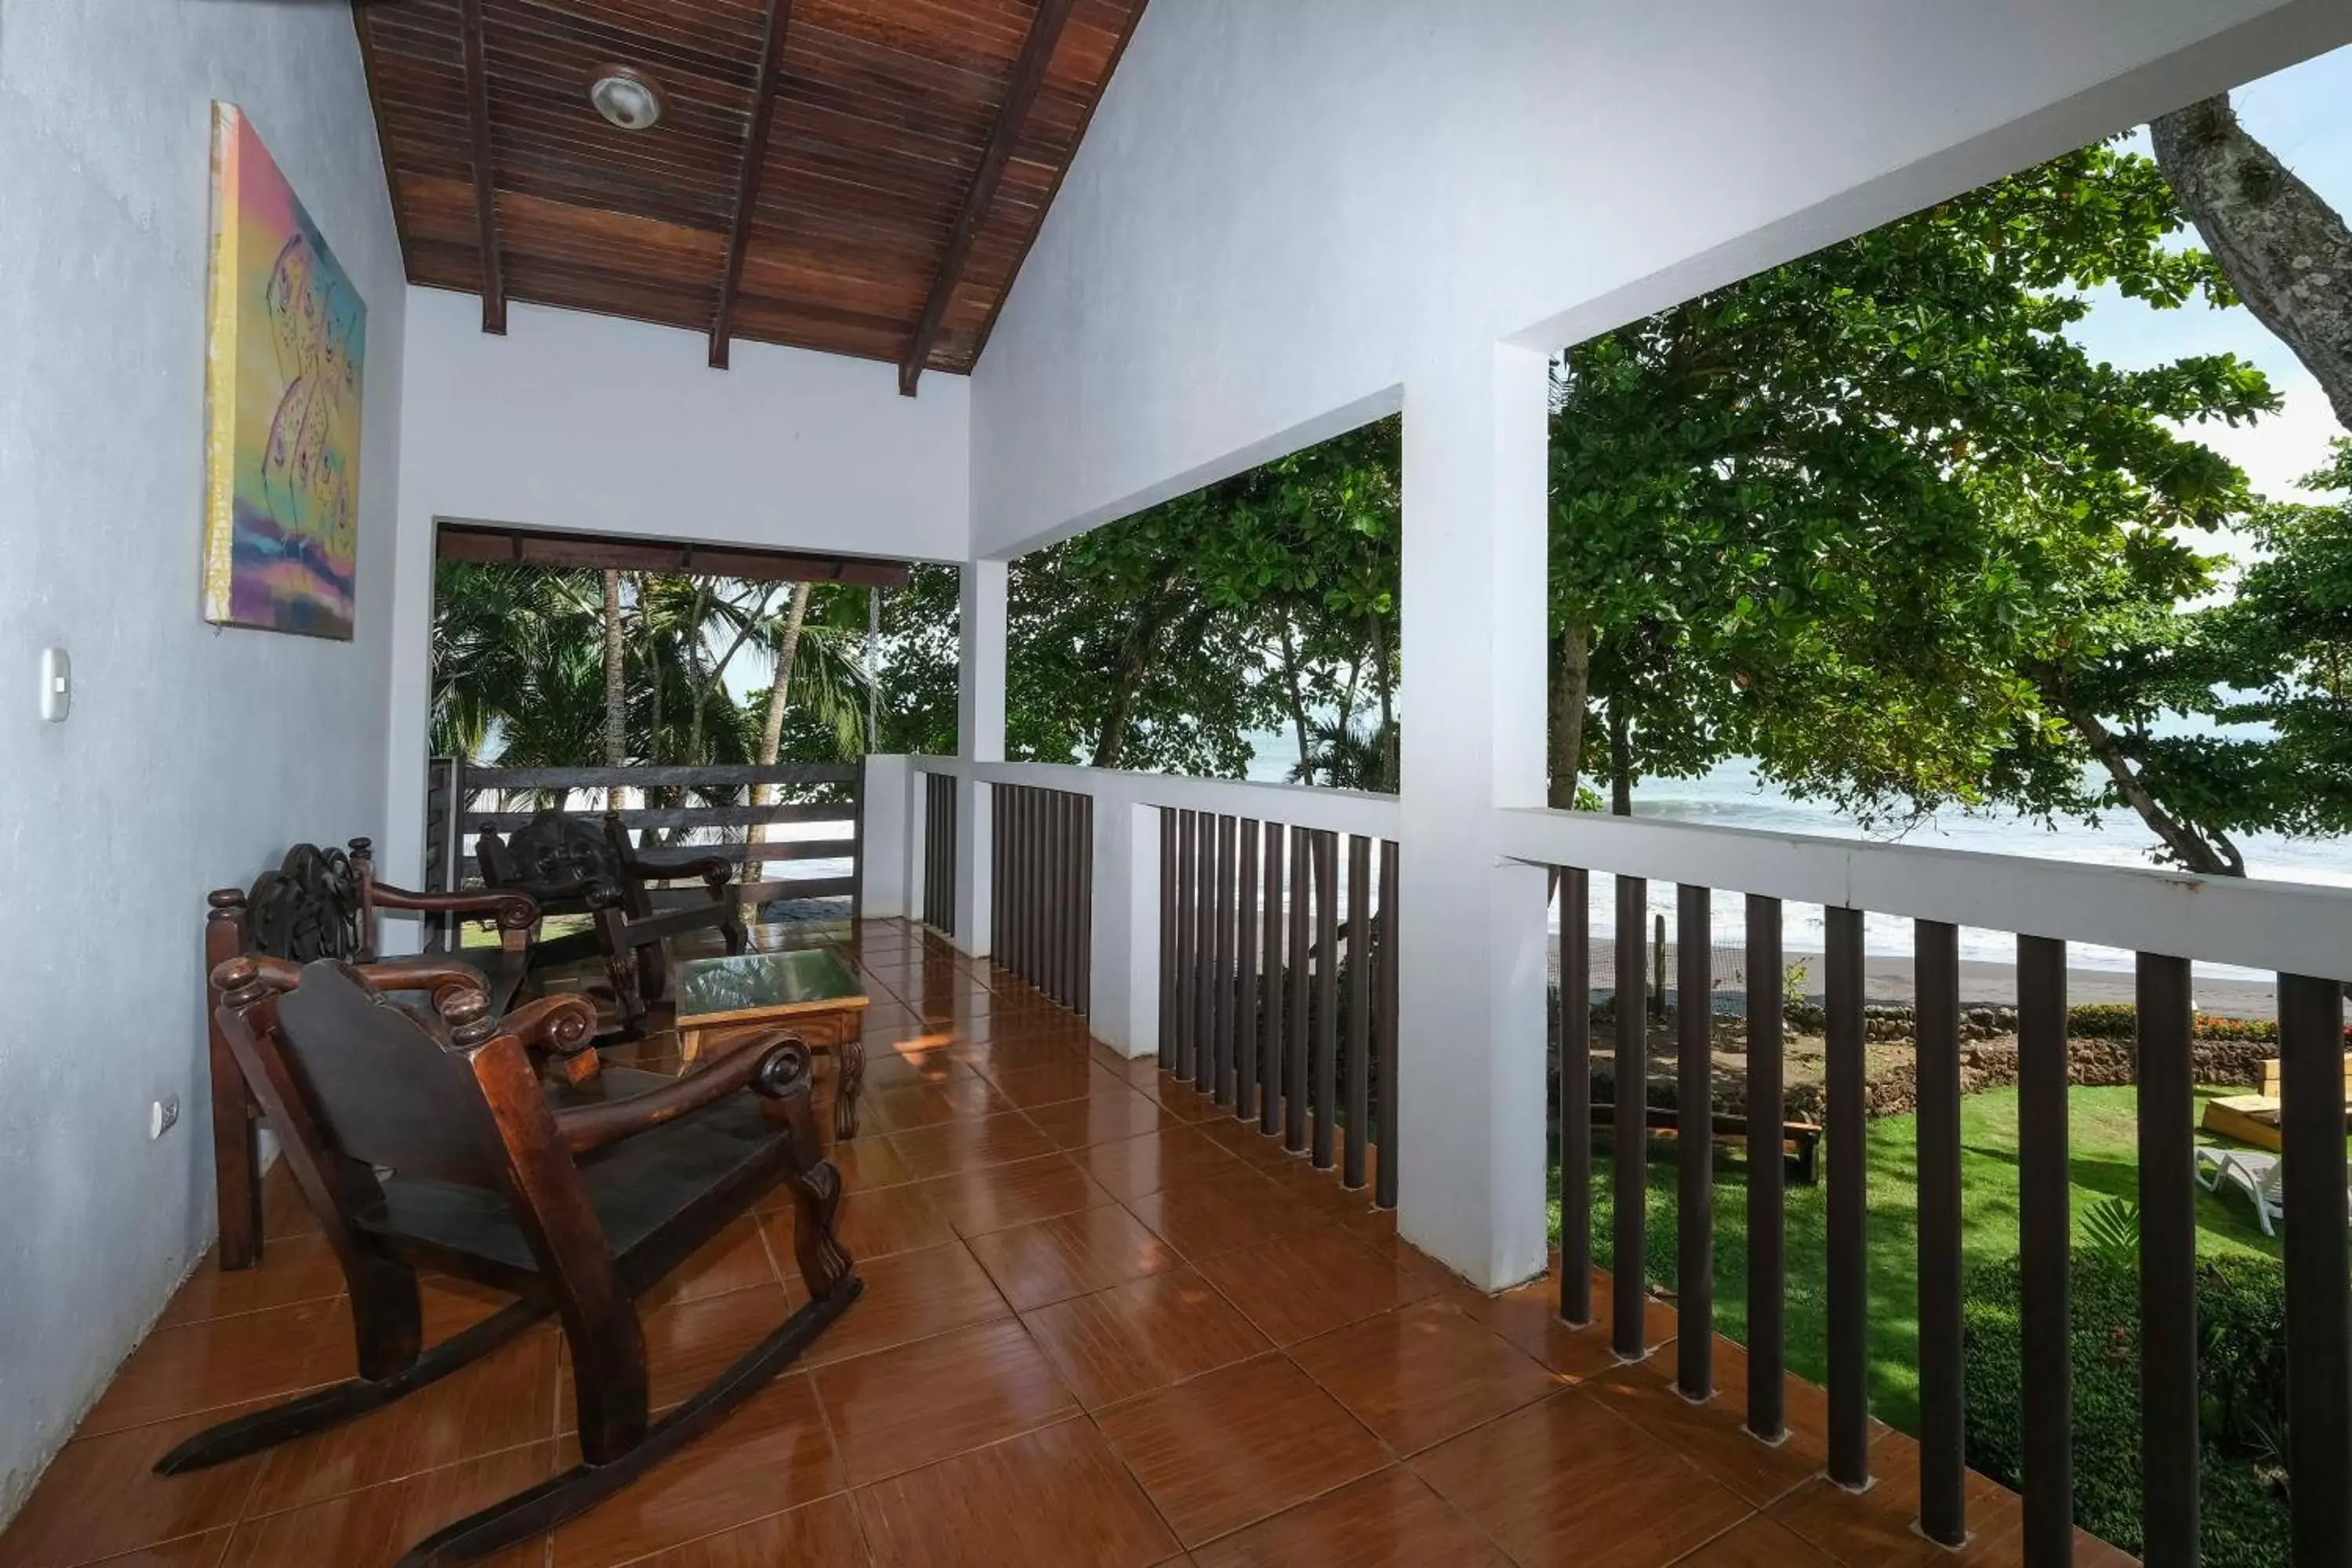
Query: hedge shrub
x,y
2242,1395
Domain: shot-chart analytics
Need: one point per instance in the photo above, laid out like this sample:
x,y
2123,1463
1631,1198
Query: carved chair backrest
x,y
314,904
355,1082
556,849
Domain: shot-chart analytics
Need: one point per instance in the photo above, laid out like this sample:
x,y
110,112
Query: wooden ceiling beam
x,y
747,179
491,544
486,181
1028,76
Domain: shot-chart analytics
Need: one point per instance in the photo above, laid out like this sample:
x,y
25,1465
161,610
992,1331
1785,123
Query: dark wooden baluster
x,y
1575,1096
2318,1320
2044,1222
1167,940
1360,1009
1220,976
1085,923
1767,1111
1269,1118
1385,1038
1294,1128
1040,890
1326,996
2167,1107
1695,1182
1204,959
1246,998
1935,971
2168,1263
1066,900
1849,1216
1631,1073
1188,885
1000,868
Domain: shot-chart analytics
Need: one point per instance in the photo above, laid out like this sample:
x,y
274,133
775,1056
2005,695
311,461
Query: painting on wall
x,y
285,353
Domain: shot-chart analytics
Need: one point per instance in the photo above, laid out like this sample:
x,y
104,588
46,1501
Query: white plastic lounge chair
x,y
2212,1164
2258,1174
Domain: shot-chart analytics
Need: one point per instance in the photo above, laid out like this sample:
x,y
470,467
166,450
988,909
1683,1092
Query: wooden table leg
x,y
849,1054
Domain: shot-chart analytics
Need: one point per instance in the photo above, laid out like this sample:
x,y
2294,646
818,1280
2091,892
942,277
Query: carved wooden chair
x,y
573,866
575,1198
323,903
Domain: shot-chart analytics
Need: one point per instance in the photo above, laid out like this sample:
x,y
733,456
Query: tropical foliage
x,y
520,674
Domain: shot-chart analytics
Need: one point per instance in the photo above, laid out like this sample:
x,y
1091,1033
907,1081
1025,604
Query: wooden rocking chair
x,y
575,1198
323,903
570,864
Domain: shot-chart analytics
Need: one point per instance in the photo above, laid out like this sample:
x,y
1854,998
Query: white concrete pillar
x,y
980,737
882,867
1124,995
1472,948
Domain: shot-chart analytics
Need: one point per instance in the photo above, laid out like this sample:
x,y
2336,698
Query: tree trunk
x,y
2204,850
2284,250
1298,697
1136,650
771,727
1620,762
1572,689
697,682
616,690
1382,677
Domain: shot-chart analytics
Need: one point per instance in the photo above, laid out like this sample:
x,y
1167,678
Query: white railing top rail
x,y
1296,806
2289,927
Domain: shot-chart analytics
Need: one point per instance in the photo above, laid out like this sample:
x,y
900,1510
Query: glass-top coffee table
x,y
810,988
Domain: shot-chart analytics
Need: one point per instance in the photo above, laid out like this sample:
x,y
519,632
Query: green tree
x,y
1874,518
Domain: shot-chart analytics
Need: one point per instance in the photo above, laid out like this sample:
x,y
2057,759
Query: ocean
x,y
1732,796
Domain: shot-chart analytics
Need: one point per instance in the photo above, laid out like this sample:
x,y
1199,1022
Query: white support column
x,y
1124,1007
980,735
1472,931
882,871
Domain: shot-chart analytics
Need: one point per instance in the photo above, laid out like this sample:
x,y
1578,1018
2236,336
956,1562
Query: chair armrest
x,y
444,979
658,865
564,1026
508,911
769,1065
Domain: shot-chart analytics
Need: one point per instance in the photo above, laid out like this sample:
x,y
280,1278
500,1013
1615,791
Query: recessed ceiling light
x,y
627,98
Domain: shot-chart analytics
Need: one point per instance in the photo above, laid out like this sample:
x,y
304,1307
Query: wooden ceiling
x,y
859,176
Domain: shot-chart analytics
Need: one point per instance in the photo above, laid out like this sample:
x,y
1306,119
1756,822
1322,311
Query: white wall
x,y
194,756
582,421
1280,209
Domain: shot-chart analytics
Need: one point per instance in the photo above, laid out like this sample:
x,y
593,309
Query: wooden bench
x,y
1800,1140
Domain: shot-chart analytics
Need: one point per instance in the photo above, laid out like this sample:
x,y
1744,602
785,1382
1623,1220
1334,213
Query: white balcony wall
x,y
193,755
1279,209
589,422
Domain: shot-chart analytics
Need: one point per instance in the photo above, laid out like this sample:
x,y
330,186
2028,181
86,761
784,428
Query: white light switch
x,y
56,684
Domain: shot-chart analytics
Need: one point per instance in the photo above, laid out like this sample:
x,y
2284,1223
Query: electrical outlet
x,y
162,1115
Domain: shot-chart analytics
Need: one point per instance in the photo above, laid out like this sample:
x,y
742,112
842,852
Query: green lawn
x,y
2102,1160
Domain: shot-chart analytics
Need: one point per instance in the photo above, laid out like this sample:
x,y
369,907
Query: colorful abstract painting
x,y
285,356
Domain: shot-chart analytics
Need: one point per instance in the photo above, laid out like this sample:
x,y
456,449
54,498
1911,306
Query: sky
x,y
2304,114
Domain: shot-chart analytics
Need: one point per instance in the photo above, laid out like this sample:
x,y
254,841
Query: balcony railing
x,y
1223,905
2302,934
809,845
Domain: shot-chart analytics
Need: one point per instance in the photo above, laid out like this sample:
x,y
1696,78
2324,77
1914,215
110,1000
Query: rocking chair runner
x,y
571,866
323,903
576,1198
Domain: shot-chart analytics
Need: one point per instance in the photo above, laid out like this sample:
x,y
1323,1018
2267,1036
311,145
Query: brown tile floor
x,y
1103,1324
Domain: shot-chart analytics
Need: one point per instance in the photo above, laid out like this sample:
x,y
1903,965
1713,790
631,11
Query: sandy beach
x,y
1888,979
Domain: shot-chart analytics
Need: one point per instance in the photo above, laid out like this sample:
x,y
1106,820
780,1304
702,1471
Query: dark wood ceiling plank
x,y
478,543
1028,75
882,110
747,180
486,174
